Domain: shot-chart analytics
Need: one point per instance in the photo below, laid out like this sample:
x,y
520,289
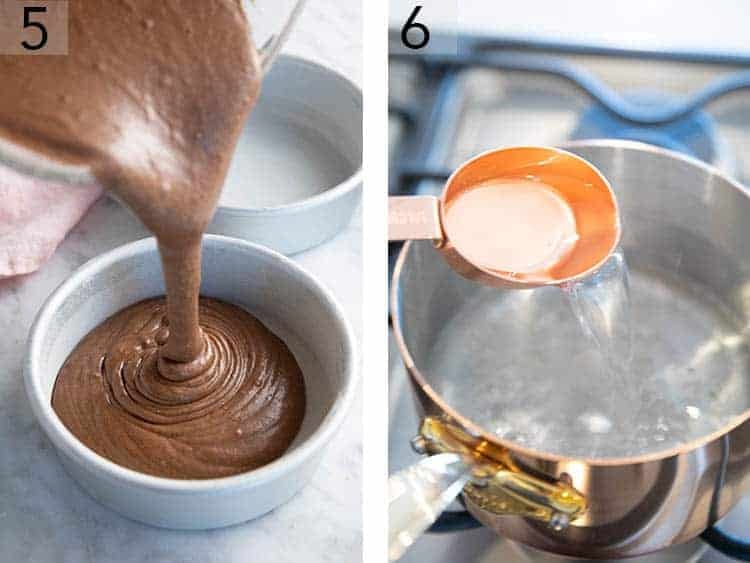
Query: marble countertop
x,y
45,517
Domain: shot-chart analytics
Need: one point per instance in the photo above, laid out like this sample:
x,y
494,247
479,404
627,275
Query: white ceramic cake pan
x,y
281,294
296,175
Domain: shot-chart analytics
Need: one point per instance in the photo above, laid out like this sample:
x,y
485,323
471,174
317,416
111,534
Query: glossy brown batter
x,y
152,96
236,413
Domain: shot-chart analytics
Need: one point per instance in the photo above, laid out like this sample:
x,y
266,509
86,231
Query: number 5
x,y
27,11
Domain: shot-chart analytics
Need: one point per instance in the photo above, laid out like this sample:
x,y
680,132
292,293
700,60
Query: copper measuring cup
x,y
582,187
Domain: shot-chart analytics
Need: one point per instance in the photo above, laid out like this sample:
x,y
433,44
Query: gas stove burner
x,y
694,135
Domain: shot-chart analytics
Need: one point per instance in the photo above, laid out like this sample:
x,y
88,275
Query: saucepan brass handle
x,y
498,485
486,474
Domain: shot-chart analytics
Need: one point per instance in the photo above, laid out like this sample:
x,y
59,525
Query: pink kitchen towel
x,y
35,216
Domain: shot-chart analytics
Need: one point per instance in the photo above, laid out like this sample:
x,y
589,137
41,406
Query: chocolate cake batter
x,y
152,97
238,411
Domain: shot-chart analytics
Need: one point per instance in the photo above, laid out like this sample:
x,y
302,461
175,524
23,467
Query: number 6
x,y
411,24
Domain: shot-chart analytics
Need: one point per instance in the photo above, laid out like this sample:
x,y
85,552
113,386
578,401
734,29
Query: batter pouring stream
x,y
152,97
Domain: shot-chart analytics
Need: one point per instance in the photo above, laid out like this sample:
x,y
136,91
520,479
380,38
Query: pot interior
x,y
517,363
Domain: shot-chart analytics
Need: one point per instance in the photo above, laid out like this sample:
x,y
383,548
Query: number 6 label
x,y
429,27
29,27
411,25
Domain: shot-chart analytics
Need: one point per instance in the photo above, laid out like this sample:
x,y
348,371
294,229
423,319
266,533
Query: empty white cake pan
x,y
296,175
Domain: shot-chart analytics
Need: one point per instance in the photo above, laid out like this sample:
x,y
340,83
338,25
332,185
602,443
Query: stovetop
x,y
550,96
442,114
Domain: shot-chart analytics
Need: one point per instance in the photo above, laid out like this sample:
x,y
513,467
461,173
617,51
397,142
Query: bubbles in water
x,y
614,378
601,304
595,422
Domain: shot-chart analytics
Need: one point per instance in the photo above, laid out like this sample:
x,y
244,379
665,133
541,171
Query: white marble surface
x,y
45,517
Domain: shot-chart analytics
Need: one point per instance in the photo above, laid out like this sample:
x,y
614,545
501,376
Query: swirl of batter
x,y
234,408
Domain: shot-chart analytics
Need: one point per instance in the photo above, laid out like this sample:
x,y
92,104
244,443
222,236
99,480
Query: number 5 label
x,y
29,27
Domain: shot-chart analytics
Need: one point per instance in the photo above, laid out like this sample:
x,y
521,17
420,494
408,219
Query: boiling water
x,y
644,362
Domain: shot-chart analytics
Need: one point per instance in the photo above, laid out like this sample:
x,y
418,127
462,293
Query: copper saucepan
x,y
679,215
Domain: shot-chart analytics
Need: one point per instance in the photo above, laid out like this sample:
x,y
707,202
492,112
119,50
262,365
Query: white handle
x,y
270,50
418,495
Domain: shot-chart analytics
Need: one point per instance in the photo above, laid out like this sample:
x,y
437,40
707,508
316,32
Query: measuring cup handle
x,y
419,494
270,50
414,218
